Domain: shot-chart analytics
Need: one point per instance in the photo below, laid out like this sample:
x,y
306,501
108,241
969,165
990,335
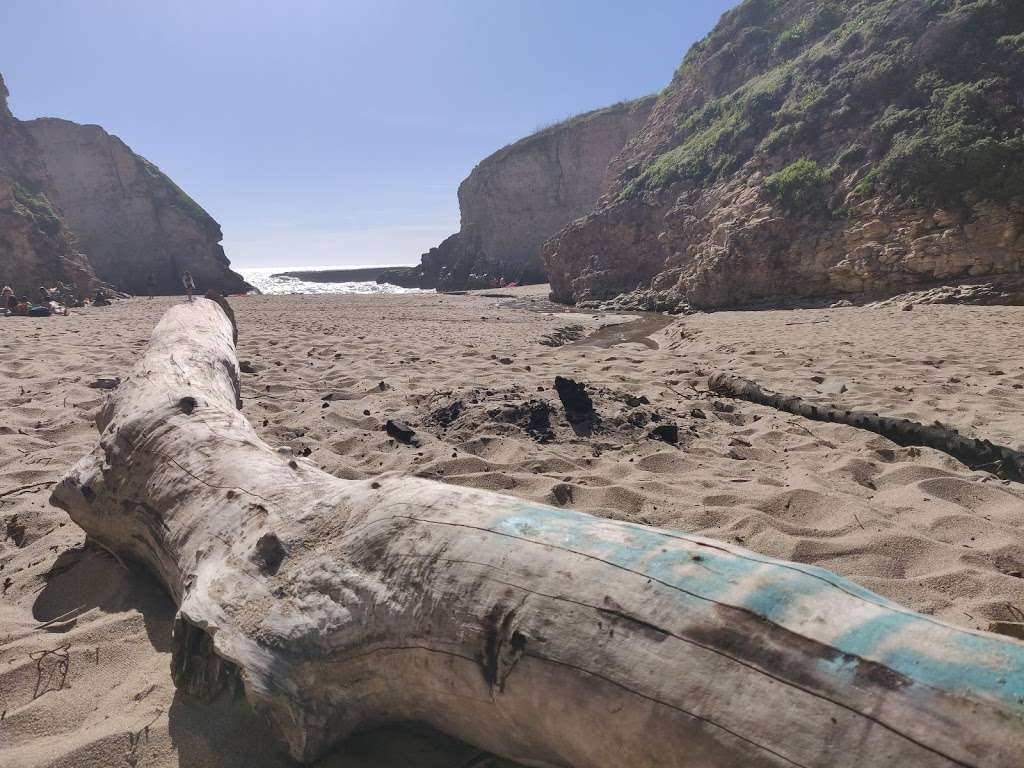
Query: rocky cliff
x,y
35,245
130,219
78,206
521,195
810,149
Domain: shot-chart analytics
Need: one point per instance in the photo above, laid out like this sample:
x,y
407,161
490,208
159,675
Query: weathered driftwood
x,y
975,453
545,635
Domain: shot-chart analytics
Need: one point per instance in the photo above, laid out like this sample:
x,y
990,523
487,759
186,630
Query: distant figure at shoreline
x,y
151,284
189,283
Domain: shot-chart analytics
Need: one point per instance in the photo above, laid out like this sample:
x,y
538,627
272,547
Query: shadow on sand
x,y
225,733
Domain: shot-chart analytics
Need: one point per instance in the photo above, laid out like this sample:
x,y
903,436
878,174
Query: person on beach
x,y
151,284
44,296
189,283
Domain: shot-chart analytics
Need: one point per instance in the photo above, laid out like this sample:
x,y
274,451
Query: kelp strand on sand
x,y
976,453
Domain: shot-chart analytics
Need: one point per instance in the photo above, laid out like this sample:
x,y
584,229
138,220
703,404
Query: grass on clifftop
x,y
919,98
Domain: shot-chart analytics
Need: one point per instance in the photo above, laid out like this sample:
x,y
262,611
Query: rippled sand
x,y
473,378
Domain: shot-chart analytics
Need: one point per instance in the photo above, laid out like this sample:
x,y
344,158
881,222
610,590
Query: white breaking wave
x,y
262,278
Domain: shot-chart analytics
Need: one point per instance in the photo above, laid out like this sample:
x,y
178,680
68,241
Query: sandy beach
x,y
84,641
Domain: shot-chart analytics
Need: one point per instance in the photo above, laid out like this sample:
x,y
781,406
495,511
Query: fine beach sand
x,y
471,375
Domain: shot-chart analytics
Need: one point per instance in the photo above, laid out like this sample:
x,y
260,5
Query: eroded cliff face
x,y
36,247
811,149
521,195
129,218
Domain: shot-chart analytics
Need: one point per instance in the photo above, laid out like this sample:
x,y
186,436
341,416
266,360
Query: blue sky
x,y
334,132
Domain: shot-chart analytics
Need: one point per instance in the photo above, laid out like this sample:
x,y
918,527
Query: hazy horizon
x,y
335,134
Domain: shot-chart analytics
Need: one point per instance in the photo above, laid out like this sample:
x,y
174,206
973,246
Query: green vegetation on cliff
x,y
919,98
37,207
164,188
799,187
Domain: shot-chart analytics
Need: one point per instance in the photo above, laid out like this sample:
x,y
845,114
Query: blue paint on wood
x,y
962,661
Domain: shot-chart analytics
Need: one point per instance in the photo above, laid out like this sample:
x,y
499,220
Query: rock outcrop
x,y
35,245
130,219
79,207
521,195
811,149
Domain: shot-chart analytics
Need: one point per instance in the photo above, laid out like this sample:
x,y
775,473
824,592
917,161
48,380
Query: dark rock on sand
x,y
446,415
667,433
577,403
634,402
106,383
400,431
534,417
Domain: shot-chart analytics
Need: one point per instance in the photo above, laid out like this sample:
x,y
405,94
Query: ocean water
x,y
260,277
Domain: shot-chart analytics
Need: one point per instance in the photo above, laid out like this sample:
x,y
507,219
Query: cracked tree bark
x,y
544,635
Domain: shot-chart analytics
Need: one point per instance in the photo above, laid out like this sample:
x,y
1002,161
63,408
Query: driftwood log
x,y
974,452
544,635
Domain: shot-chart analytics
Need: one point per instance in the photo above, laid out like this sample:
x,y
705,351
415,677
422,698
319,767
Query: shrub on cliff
x,y
961,142
36,206
800,187
930,89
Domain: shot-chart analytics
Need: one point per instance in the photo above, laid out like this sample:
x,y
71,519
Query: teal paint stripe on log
x,y
642,548
961,661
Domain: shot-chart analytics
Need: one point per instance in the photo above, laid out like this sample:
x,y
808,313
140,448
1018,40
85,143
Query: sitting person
x,y
62,293
100,299
22,306
44,296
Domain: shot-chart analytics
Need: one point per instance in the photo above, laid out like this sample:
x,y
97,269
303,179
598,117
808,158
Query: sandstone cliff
x,y
130,219
521,195
35,245
810,149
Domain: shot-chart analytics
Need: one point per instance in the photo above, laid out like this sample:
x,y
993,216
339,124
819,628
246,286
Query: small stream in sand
x,y
622,328
638,331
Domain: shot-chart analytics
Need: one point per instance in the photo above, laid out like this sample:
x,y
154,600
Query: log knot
x,y
503,646
269,553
